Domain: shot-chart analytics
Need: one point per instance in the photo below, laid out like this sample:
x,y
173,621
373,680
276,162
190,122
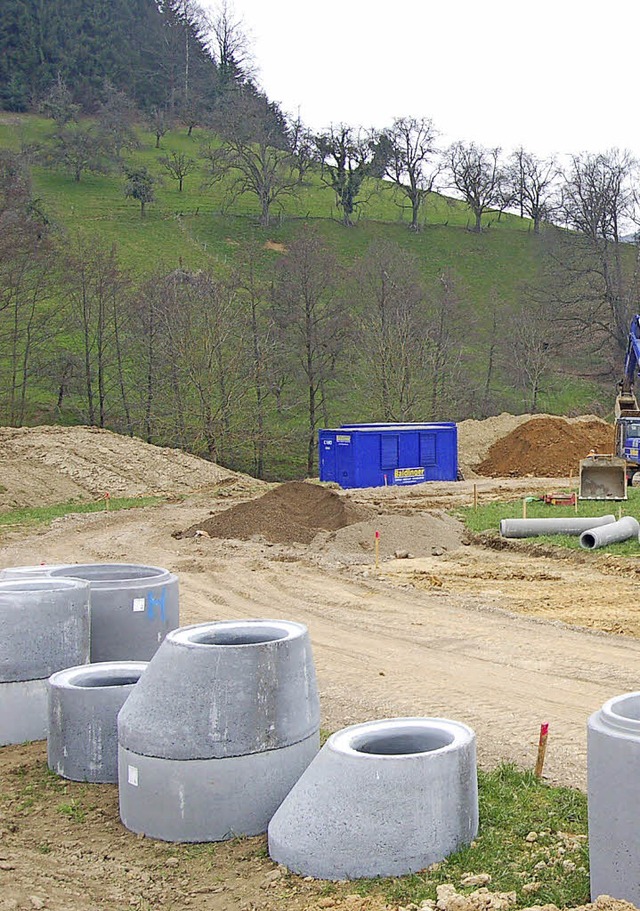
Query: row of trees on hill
x,y
244,367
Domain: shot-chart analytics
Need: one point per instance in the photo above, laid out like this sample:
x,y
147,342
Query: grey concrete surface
x,y
10,573
133,607
23,711
385,798
208,799
622,530
529,528
83,706
45,627
224,689
613,793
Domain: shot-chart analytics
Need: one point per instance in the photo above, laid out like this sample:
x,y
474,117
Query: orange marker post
x,y
377,546
107,497
542,749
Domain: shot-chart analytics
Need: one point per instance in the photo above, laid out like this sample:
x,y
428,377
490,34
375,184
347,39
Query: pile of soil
x,y
44,465
425,535
476,437
292,513
546,447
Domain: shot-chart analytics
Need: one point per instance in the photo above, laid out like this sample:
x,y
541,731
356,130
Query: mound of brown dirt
x,y
291,513
546,448
44,465
476,437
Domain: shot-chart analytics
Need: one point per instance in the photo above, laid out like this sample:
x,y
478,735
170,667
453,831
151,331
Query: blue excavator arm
x,y
632,357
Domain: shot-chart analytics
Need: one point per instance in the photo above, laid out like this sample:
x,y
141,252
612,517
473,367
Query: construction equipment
x,y
603,477
627,412
559,498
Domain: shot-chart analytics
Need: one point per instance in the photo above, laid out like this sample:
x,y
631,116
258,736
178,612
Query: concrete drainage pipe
x,y
132,608
220,727
45,627
84,702
530,528
384,798
622,530
613,792
38,570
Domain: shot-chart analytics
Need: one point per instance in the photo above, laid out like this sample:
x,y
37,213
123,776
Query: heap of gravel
x,y
292,513
418,535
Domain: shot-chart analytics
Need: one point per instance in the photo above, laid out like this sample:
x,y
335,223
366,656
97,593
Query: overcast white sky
x,y
552,75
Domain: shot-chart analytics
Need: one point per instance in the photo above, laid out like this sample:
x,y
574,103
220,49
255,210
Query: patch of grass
x,y
513,804
42,515
487,518
73,811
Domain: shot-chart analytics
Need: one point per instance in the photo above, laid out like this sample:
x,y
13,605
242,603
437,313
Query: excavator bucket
x,y
603,477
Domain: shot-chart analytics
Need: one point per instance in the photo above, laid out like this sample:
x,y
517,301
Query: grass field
x,y
486,519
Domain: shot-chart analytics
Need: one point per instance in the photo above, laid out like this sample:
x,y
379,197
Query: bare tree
x,y
28,304
475,174
251,159
388,296
311,321
59,105
159,123
598,202
231,46
198,313
410,150
531,185
178,165
532,341
94,286
77,147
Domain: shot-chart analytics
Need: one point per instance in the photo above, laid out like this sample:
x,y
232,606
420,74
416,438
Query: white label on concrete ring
x,y
132,775
138,604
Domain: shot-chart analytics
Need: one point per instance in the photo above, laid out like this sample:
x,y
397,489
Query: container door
x,y
344,460
328,467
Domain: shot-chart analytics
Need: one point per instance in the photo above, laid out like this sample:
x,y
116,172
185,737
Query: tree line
x,y
241,368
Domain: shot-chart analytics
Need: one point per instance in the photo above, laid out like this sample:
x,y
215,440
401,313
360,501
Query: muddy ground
x,y
500,639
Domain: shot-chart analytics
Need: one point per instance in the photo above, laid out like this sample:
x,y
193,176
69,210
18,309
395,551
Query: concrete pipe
x,y
613,794
132,608
45,627
82,743
385,798
530,528
36,571
220,727
622,530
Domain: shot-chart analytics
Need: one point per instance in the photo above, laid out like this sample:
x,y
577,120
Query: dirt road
x,y
427,637
434,636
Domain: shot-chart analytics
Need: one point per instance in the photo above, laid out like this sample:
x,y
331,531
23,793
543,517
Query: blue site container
x,y
374,455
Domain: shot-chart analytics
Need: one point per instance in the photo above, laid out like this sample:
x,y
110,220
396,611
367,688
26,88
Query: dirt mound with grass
x,y
546,447
292,513
40,466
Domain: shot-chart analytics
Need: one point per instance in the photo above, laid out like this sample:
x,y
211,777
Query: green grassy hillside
x,y
200,229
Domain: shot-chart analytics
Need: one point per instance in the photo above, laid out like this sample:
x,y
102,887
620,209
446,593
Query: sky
x,y
556,77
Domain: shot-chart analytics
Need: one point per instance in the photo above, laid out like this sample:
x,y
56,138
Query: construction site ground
x,y
502,639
